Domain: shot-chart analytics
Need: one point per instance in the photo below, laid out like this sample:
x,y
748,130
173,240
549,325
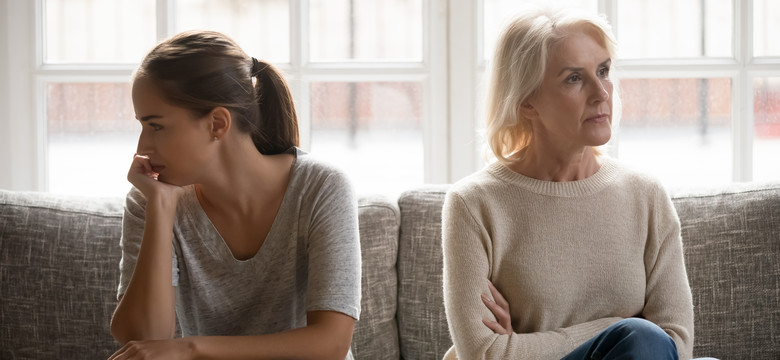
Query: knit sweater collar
x,y
590,185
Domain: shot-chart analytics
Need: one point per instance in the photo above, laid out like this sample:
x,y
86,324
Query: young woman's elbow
x,y
123,332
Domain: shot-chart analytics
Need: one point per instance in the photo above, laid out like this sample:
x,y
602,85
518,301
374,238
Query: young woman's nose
x,y
144,145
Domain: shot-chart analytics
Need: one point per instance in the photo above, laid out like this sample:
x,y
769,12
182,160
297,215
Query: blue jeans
x,y
631,338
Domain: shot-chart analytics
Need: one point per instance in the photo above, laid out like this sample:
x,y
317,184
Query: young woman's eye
x,y
155,127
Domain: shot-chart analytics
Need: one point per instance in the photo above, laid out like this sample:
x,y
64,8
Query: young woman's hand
x,y
143,177
500,309
173,349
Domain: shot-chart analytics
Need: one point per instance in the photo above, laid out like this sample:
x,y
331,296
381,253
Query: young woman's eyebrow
x,y
148,117
603,63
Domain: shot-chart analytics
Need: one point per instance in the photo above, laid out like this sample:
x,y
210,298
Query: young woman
x,y
230,229
555,250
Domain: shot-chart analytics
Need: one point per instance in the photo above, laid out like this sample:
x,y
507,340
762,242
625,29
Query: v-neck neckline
x,y
219,245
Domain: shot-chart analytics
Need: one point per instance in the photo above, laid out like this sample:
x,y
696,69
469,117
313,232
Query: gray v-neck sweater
x,y
310,259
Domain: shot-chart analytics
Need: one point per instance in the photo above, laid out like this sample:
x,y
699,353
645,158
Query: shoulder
x,y
634,178
312,176
313,167
640,186
477,184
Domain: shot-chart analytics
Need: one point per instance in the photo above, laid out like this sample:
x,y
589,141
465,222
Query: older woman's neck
x,y
548,166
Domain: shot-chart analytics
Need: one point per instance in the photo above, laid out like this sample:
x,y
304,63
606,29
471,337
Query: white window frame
x,y
466,58
22,96
451,72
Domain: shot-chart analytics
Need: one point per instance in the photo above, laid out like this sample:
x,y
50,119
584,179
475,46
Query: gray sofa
x,y
59,271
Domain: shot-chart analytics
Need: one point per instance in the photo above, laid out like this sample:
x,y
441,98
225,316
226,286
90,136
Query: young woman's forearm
x,y
147,311
328,336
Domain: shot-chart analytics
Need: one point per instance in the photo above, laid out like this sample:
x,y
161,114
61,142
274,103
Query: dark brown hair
x,y
201,70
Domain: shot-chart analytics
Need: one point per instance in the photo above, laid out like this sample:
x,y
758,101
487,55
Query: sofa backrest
x,y
732,250
422,323
731,239
376,333
59,270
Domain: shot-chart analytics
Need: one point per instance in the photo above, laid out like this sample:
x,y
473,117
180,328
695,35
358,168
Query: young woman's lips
x,y
598,118
157,168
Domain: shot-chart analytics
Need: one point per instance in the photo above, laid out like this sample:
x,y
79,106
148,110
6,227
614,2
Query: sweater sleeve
x,y
668,300
468,250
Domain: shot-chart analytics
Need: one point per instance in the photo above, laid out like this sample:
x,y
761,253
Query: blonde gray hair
x,y
518,69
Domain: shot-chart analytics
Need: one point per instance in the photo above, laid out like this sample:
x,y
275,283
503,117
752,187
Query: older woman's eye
x,y
604,72
573,78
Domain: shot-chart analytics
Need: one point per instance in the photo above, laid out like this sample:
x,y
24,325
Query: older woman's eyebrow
x,y
571,68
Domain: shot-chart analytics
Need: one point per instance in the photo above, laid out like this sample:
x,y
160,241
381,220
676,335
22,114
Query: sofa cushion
x,y
732,250
376,333
421,318
58,275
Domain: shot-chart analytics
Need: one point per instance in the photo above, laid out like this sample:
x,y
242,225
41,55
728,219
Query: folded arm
x,y
467,257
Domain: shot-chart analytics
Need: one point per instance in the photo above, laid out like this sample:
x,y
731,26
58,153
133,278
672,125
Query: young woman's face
x,y
573,108
176,142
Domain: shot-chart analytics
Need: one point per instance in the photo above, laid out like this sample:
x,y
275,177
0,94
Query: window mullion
x,y
742,93
166,9
299,64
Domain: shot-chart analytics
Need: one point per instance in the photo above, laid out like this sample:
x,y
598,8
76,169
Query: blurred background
x,y
392,90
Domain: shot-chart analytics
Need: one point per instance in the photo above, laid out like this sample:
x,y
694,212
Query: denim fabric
x,y
632,338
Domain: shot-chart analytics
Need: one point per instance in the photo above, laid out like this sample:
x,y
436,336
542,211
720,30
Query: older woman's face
x,y
573,107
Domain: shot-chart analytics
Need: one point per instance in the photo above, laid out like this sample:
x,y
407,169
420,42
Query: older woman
x,y
555,250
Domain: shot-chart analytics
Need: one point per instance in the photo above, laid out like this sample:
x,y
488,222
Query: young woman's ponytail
x,y
277,122
201,70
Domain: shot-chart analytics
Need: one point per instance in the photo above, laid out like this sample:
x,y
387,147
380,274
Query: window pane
x,y
260,27
92,137
98,31
365,30
766,27
372,130
766,144
678,129
674,28
497,13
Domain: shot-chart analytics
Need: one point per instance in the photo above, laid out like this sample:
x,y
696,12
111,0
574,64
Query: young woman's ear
x,y
220,120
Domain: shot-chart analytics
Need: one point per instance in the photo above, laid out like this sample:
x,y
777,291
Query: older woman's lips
x,y
598,118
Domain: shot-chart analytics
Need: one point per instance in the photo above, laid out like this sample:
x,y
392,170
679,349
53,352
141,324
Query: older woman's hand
x,y
500,309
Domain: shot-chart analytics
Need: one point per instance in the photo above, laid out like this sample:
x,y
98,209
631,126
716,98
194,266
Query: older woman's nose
x,y
601,91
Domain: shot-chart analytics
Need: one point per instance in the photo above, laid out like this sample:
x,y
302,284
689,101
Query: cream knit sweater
x,y
571,258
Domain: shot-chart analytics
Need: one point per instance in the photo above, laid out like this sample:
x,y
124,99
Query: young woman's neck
x,y
543,164
245,178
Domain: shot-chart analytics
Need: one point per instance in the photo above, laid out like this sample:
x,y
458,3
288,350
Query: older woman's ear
x,y
527,110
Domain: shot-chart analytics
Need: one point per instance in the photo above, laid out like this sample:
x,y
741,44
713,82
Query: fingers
x,y
500,309
498,297
496,327
499,312
143,165
124,353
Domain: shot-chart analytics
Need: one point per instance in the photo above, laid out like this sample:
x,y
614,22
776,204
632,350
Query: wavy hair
x,y
518,69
